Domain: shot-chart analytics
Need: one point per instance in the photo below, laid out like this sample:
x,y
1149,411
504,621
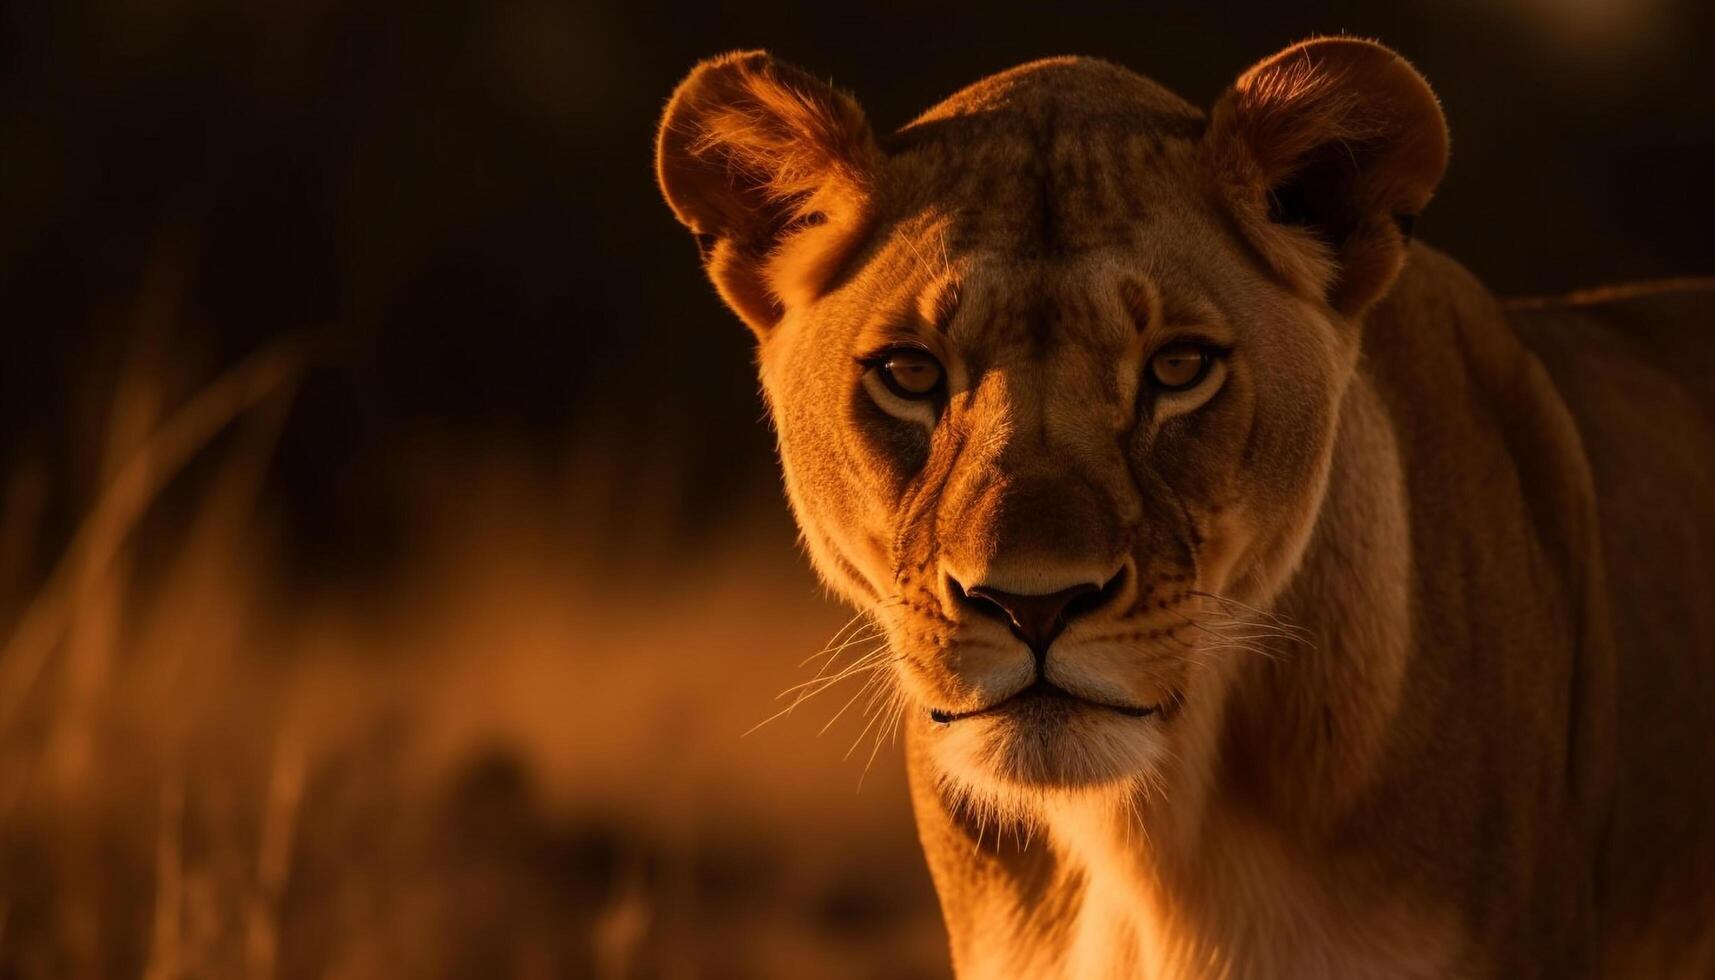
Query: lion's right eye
x,y
1179,366
911,373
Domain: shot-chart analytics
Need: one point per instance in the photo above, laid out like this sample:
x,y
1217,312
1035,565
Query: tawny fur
x,y
1415,584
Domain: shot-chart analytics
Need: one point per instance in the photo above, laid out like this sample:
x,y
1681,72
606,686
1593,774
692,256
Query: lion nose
x,y
1037,619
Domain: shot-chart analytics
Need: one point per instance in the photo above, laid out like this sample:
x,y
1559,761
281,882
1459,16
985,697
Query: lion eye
x,y
1179,366
911,373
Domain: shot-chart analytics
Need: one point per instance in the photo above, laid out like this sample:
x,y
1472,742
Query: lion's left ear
x,y
772,170
1328,151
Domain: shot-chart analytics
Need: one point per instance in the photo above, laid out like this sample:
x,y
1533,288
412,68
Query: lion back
x,y
1636,368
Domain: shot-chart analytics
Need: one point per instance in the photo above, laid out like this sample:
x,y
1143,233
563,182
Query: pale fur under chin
x,y
999,783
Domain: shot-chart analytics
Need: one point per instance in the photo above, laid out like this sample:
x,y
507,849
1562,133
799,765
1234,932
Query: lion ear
x,y
770,169
1329,150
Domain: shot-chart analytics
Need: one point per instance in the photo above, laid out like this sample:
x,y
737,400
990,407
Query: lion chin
x,y
1043,739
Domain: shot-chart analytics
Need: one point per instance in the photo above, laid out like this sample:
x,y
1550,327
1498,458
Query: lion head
x,y
1056,368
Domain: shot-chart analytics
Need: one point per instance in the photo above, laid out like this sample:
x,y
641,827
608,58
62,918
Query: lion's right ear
x,y
1337,144
772,171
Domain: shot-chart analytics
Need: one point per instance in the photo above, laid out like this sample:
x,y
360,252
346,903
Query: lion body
x,y
1404,664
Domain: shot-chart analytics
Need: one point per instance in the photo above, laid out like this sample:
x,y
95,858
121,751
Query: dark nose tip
x,y
1038,619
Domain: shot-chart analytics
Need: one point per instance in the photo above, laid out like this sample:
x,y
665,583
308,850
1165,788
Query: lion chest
x,y
1240,908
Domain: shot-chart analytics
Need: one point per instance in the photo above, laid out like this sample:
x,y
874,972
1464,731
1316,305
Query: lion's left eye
x,y
1178,367
911,373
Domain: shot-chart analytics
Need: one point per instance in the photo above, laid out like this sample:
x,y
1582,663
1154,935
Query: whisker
x,y
856,665
830,682
861,628
848,634
874,717
1273,618
890,714
849,701
1256,631
803,697
900,704
829,652
1243,648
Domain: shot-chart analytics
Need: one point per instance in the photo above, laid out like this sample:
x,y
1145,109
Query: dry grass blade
x,y
166,953
274,858
101,536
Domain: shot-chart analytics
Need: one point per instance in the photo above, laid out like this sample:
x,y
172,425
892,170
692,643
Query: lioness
x,y
1267,598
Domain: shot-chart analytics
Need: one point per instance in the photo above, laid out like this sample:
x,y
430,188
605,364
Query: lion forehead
x,y
1053,158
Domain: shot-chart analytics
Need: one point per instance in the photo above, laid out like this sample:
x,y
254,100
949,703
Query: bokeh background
x,y
391,553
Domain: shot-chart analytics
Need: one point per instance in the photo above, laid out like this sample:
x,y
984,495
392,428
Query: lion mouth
x,y
1039,697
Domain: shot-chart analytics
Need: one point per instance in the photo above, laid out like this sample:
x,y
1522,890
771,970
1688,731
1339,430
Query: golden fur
x,y
1412,591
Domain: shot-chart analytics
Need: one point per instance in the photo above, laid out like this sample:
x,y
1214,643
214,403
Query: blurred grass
x,y
518,756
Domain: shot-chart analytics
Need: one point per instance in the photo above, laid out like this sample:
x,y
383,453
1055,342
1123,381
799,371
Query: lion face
x,y
1058,481
1056,370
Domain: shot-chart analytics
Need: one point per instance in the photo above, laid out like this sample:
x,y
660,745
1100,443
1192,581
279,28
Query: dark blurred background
x,y
462,195
454,204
